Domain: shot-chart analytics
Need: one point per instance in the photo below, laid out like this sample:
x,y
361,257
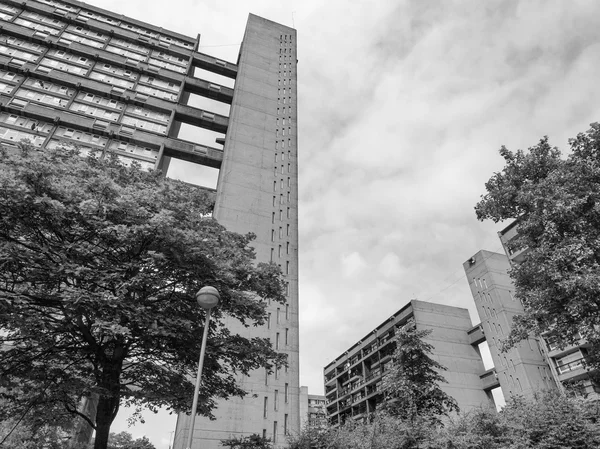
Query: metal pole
x,y
198,379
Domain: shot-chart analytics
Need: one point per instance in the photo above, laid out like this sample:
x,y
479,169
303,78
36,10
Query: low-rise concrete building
x,y
353,380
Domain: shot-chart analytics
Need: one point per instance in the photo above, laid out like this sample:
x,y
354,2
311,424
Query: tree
x,y
253,441
124,440
556,201
412,384
99,264
551,420
15,435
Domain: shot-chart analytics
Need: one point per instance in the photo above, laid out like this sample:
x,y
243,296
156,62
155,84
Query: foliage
x,y
381,432
124,440
412,384
15,435
311,436
253,441
556,201
99,264
546,421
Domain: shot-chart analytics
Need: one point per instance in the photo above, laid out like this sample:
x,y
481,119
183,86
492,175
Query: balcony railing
x,y
373,375
571,366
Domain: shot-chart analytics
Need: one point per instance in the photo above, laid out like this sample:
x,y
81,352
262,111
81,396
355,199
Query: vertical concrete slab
x,y
522,370
257,192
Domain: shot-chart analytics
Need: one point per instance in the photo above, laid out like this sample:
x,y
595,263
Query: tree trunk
x,y
105,414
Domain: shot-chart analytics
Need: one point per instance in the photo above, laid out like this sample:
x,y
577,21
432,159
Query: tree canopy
x,y
548,420
412,383
99,265
253,441
556,202
124,440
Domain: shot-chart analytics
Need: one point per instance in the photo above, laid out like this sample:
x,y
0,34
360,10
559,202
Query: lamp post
x,y
207,298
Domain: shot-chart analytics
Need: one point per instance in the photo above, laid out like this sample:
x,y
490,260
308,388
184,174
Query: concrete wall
x,y
522,370
303,406
253,195
452,349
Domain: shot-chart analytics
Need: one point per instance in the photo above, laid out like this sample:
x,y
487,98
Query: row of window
x,y
98,106
128,49
100,17
37,131
56,59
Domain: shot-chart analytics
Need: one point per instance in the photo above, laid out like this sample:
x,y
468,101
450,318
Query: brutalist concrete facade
x,y
353,380
257,192
73,72
522,370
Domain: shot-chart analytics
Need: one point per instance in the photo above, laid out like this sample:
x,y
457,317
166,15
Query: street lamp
x,y
207,298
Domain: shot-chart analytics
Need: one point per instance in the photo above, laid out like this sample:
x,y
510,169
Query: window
x,y
277,341
273,218
265,407
273,234
287,248
287,331
274,432
269,320
278,312
285,424
286,394
287,312
275,400
287,267
288,210
287,230
278,255
274,200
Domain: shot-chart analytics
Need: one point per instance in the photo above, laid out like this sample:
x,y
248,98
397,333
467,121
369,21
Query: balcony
x,y
374,375
572,371
489,379
476,335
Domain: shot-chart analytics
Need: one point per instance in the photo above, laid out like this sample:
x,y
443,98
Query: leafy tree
x,y
124,440
412,384
99,265
15,435
253,441
551,420
480,428
556,201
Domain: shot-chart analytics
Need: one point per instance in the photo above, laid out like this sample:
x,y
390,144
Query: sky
x,y
403,106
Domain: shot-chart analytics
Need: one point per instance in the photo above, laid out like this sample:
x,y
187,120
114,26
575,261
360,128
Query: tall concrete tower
x,y
522,370
257,192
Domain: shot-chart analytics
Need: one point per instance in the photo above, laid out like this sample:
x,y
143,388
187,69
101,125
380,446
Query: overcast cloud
x,y
403,106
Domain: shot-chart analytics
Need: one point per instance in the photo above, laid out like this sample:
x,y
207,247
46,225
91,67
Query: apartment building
x,y
353,380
